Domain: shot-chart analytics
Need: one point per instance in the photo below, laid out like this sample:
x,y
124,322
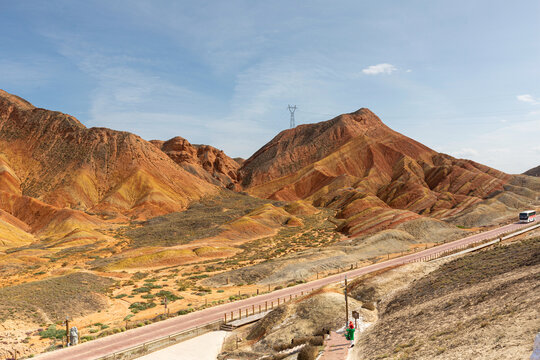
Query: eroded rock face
x,y
204,161
358,165
293,149
55,159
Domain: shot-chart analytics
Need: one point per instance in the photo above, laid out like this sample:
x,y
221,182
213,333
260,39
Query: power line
x,y
292,109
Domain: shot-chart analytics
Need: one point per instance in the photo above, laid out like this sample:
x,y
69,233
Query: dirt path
x,y
337,347
114,343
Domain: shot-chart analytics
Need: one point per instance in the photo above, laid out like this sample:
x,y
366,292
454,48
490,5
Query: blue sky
x,y
462,77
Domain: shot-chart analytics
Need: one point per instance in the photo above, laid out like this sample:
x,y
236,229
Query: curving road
x,y
114,343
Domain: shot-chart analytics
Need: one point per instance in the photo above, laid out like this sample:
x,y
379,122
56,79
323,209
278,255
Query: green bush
x,y
52,333
140,306
169,295
141,290
185,311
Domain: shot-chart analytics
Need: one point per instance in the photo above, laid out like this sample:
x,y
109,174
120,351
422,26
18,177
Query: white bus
x,y
527,216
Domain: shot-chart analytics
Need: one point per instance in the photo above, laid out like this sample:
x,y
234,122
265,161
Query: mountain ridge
x,y
533,172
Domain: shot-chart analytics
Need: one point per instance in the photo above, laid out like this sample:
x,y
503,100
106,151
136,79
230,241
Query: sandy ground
x,y
204,347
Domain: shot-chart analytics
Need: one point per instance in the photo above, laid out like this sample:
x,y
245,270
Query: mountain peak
x,y
15,100
295,148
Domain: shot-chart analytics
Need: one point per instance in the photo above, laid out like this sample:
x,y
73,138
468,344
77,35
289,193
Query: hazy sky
x,y
462,77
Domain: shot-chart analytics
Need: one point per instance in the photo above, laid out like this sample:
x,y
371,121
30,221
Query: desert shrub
x,y
185,311
105,333
139,306
198,277
119,296
322,332
183,285
369,306
169,295
152,286
52,333
308,352
141,290
317,340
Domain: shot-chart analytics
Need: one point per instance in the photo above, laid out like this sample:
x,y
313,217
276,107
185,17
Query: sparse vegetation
x,y
464,303
140,306
71,294
52,333
308,352
199,220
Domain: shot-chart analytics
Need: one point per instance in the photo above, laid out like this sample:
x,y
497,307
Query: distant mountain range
x,y
56,175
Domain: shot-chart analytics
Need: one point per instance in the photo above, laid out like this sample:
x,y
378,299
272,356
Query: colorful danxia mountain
x,y
106,212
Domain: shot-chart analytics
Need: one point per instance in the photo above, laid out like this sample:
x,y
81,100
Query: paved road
x,y
114,343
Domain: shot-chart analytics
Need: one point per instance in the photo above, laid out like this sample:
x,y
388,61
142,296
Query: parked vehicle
x,y
527,216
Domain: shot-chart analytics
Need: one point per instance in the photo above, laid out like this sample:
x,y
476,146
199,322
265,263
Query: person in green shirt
x,y
350,333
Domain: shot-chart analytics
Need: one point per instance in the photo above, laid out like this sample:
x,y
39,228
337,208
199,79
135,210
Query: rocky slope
x,y
533,172
375,177
481,306
204,161
55,159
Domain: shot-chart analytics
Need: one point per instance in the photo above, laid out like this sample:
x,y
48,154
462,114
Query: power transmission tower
x,y
292,109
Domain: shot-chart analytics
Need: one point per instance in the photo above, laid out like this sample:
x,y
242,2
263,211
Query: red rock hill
x,y
60,162
357,164
204,161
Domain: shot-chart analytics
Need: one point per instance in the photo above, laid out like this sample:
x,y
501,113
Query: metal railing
x,y
246,311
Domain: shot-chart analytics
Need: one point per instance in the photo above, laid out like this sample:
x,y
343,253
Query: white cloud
x,y
383,68
512,148
527,98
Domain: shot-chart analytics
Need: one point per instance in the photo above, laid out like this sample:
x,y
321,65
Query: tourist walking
x,y
350,333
